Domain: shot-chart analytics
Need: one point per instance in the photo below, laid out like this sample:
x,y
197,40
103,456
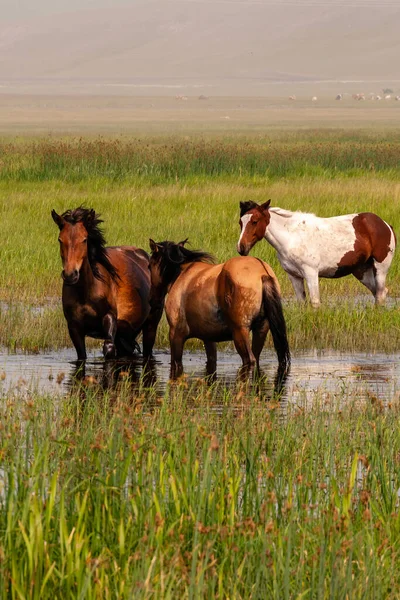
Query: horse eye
x,y
85,241
60,240
255,222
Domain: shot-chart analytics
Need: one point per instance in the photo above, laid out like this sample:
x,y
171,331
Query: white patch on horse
x,y
306,242
244,220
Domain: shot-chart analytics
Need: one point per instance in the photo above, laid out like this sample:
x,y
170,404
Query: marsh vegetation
x,y
198,490
114,496
173,189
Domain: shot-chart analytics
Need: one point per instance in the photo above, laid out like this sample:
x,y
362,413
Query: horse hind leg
x,y
298,286
125,339
380,271
366,276
241,339
260,332
211,352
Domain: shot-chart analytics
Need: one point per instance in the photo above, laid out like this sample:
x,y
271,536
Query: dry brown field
x,y
85,114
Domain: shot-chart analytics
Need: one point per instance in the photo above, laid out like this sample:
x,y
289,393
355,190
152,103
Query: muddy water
x,y
327,374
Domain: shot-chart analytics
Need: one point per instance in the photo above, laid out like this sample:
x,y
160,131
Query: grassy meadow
x,y
190,186
199,491
106,496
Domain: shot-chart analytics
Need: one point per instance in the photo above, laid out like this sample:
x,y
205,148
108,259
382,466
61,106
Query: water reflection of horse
x,y
217,303
111,375
310,247
105,291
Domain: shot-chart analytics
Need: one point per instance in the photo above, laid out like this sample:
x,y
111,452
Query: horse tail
x,y
274,313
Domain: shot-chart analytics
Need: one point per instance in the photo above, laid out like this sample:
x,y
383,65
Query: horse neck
x,y
87,281
168,285
278,231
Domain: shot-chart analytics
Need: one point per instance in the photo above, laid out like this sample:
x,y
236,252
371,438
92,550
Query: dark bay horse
x,y
310,247
216,303
105,292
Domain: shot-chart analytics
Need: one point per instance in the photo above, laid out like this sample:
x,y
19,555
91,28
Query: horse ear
x,y
183,242
58,220
153,245
266,204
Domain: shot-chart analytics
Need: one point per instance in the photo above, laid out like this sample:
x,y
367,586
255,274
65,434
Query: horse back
x,y
247,271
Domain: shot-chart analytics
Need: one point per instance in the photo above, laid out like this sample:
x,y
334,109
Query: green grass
x,y
176,188
198,492
114,496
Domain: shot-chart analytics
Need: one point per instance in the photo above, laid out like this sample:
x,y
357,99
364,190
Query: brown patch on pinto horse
x,y
372,243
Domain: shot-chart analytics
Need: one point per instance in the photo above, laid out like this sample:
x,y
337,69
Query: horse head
x,y
254,220
165,265
165,260
81,239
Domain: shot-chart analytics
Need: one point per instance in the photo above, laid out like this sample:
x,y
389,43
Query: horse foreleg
x,y
298,286
241,339
176,341
211,352
313,287
110,329
78,339
150,331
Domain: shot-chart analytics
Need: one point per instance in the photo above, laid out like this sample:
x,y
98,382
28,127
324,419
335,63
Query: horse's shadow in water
x,y
112,376
257,381
131,379
261,383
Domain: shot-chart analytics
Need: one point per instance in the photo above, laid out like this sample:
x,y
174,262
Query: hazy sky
x,y
16,10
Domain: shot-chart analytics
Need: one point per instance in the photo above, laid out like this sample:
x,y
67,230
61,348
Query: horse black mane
x,y
246,206
96,241
172,256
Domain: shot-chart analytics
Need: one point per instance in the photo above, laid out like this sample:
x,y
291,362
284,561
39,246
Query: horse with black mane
x,y
217,302
309,247
106,290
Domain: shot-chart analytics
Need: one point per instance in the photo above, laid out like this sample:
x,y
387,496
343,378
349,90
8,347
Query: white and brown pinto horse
x,y
217,303
310,247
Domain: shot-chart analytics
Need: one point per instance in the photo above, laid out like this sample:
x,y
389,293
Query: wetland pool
x,y
326,374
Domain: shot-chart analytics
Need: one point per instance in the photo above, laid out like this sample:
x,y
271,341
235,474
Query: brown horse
x,y
105,292
217,303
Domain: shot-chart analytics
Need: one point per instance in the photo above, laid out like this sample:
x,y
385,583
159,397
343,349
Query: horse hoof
x,y
109,350
136,347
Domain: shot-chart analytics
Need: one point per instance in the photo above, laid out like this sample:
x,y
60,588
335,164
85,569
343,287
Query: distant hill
x,y
209,44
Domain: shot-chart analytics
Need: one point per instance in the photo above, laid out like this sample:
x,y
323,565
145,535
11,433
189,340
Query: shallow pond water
x,y
326,373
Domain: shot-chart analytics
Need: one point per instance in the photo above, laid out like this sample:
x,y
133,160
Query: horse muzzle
x,y
243,250
70,278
